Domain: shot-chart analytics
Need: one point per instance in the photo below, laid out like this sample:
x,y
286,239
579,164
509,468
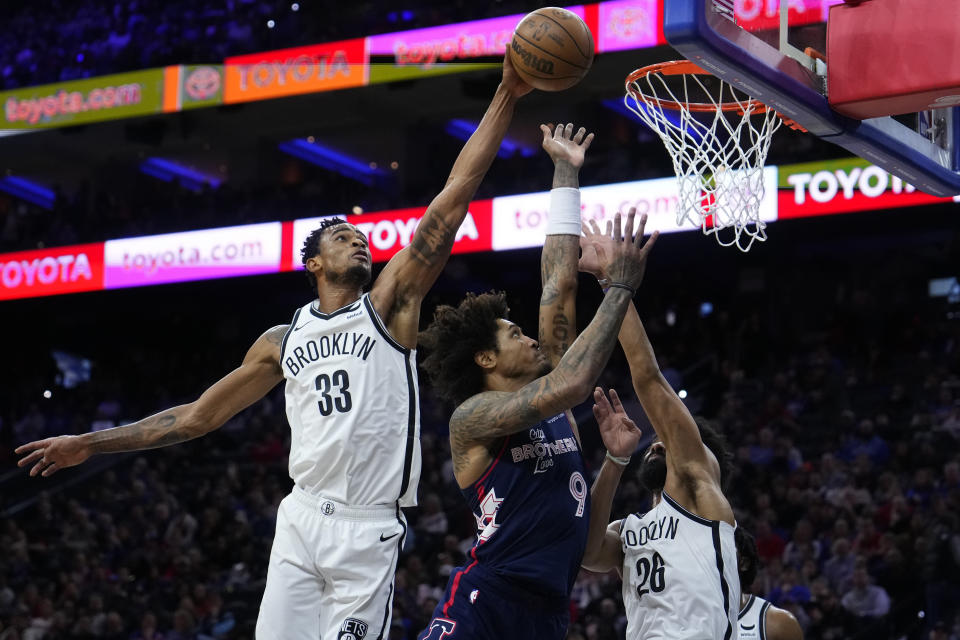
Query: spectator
x,y
769,543
864,599
148,629
802,546
839,568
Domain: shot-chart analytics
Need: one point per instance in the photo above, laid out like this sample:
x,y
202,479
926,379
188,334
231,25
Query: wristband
x,y
620,461
564,216
620,285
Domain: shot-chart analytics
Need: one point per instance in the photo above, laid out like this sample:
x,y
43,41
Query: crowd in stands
x,y
47,41
839,390
840,400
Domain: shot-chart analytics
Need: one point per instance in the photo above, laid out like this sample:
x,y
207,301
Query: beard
x,y
545,368
356,275
653,473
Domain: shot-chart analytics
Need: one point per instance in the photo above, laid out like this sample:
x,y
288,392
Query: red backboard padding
x,y
887,57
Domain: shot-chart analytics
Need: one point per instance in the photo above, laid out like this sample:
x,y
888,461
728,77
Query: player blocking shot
x,y
514,444
348,361
678,561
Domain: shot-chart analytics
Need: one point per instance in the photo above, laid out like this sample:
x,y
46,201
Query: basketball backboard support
x,y
707,33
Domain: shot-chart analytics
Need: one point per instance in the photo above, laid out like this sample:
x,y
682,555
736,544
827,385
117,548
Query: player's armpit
x,y
258,373
609,553
400,288
410,274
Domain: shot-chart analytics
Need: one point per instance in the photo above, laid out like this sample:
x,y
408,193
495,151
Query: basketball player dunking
x,y
759,619
515,447
348,359
678,561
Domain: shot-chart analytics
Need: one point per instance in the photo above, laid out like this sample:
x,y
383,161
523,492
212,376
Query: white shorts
x,y
331,570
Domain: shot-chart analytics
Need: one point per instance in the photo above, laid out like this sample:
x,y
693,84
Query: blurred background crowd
x,y
52,40
839,393
833,374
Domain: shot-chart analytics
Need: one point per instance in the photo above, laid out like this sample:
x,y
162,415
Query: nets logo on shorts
x,y
352,629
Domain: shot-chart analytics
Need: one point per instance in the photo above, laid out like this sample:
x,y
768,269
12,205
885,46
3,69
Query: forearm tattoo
x,y
159,430
433,240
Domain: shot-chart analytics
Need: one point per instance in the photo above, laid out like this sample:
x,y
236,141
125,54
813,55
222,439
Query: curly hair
x,y
717,443
311,246
748,559
453,339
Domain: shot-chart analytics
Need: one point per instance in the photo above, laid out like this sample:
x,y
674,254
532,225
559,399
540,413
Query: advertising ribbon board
x,y
192,86
192,255
121,95
629,24
289,72
520,221
444,49
843,186
391,231
48,272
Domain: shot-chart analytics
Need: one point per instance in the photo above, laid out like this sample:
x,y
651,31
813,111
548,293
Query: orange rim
x,y
681,68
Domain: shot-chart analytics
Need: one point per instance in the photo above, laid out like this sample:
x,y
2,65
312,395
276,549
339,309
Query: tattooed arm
x,y
259,372
400,288
490,415
558,261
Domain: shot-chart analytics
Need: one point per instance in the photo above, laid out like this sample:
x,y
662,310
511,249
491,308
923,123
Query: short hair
x,y
311,246
748,558
717,443
454,337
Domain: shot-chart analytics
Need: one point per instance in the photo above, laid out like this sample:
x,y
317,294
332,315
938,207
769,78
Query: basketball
x,y
552,49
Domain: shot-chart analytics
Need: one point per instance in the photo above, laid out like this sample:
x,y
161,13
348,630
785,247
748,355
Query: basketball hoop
x,y
717,149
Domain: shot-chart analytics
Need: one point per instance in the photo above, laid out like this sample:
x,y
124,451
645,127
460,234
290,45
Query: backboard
x,y
758,47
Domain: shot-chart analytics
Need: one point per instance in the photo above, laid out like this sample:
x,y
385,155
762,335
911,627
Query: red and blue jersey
x,y
532,507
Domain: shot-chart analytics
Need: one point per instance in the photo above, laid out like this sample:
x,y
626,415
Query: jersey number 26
x,y
652,571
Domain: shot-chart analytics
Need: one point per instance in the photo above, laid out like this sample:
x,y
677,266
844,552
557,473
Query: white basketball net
x,y
717,155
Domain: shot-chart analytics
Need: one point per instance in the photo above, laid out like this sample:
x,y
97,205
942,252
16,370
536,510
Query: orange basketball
x,y
552,49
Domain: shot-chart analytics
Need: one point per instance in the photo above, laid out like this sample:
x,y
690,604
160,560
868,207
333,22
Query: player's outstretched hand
x,y
624,260
593,242
52,454
619,433
512,81
563,145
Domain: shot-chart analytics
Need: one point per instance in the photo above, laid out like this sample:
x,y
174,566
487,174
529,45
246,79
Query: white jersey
x,y
680,579
753,619
353,407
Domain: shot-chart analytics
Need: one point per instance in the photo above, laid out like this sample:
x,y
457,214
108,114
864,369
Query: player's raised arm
x,y
259,372
558,261
410,274
493,414
687,455
620,436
